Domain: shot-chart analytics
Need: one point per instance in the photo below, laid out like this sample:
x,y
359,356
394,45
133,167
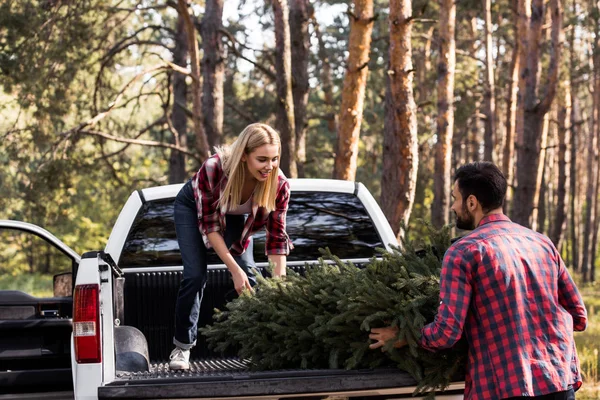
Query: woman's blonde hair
x,y
251,138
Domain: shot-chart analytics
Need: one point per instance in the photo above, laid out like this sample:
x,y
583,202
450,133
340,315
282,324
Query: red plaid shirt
x,y
507,288
208,184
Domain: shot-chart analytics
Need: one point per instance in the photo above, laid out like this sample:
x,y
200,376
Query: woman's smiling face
x,y
261,162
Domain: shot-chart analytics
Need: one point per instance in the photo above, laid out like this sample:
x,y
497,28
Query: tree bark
x,y
564,160
400,144
177,172
535,216
530,135
489,102
300,12
445,118
213,70
353,92
591,171
597,125
201,141
511,122
595,131
285,100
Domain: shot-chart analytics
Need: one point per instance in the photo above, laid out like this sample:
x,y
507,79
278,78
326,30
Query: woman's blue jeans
x,y
193,255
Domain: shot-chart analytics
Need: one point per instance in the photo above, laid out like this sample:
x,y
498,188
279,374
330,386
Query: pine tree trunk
x,y
201,141
537,220
326,80
596,133
285,99
353,92
400,145
591,171
529,139
489,103
300,11
564,159
574,203
445,118
508,158
213,69
177,172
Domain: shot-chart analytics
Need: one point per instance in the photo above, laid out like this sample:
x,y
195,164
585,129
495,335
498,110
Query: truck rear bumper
x,y
271,385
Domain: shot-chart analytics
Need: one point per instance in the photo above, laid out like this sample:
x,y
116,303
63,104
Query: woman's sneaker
x,y
180,359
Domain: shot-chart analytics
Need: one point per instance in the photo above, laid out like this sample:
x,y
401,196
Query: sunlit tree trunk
x,y
508,157
489,103
177,172
595,132
353,92
300,11
537,221
564,160
400,146
201,141
285,100
213,70
445,118
534,109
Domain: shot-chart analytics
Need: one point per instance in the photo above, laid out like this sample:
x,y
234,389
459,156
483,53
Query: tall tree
x,y
353,92
511,120
489,102
285,101
177,172
213,71
445,118
529,132
201,141
564,159
400,145
595,132
300,14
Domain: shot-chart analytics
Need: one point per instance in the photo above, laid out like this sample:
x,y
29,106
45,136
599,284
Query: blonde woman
x,y
236,192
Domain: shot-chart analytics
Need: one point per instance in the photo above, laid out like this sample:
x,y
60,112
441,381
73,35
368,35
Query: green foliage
x,y
322,319
36,284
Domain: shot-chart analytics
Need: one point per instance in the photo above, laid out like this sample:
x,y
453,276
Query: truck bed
x,y
228,378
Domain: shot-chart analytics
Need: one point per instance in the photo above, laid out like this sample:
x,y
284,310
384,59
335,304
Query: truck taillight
x,y
86,324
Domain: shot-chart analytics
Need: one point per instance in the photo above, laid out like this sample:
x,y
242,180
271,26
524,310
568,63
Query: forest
x,y
99,98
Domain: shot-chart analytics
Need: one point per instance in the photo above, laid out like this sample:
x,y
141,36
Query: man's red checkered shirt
x,y
208,184
507,288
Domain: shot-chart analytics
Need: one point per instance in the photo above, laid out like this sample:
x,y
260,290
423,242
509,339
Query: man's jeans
x,y
193,254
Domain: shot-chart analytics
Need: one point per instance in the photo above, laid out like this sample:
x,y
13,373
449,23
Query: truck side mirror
x,y
63,284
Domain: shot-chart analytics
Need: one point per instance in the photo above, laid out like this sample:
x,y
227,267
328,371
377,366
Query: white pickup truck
x,y
124,300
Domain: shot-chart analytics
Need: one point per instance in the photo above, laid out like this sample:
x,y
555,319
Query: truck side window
x,y
314,220
28,263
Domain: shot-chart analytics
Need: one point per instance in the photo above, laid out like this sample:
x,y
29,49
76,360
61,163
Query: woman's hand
x,y
240,281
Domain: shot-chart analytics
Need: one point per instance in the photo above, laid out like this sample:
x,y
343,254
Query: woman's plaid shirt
x,y
507,288
210,181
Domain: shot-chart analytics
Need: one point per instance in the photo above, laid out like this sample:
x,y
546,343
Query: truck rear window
x,y
314,220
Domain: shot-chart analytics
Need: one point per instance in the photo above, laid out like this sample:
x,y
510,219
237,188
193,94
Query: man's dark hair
x,y
483,180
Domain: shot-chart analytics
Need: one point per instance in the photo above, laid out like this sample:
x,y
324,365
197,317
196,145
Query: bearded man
x,y
506,288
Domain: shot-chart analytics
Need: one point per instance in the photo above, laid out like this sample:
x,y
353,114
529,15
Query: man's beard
x,y
465,220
